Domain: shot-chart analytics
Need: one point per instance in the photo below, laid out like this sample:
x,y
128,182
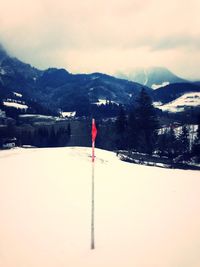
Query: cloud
x,y
102,35
186,42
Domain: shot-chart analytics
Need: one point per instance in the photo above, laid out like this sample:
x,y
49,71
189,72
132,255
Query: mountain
x,y
173,91
58,89
14,74
51,90
70,90
154,77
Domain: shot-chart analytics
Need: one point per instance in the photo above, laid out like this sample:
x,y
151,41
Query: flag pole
x,y
92,211
94,133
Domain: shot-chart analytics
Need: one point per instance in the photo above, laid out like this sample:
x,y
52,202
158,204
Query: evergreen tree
x,y
162,143
52,138
132,135
120,125
43,137
144,124
171,143
196,145
69,130
63,135
26,137
183,141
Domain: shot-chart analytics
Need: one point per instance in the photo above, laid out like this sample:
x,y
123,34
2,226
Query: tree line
x,y
136,128
43,136
139,130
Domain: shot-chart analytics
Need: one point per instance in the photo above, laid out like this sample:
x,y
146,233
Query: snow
x,y
104,102
192,130
2,114
186,100
17,94
70,114
101,102
146,77
157,104
94,77
156,86
2,71
144,216
37,116
15,105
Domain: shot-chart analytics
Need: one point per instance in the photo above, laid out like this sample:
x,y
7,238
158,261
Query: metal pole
x,y
92,210
94,133
93,151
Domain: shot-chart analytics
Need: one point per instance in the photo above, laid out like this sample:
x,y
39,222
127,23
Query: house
x,y
70,114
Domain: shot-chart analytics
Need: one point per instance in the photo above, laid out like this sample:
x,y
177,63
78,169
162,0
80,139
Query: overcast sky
x,y
104,35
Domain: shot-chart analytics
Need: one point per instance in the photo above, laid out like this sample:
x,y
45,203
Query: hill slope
x,y
173,91
144,216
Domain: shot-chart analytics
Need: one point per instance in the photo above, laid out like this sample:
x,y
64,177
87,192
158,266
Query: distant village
x,y
8,140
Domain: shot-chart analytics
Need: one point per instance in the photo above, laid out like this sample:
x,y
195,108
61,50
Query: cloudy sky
x,y
102,35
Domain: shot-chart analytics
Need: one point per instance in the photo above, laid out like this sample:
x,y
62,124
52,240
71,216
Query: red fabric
x,y
94,130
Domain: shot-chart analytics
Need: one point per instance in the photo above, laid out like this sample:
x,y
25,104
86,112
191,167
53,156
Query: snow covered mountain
x,y
154,77
144,216
47,92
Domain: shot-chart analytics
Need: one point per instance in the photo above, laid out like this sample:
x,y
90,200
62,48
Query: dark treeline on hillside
x,y
83,107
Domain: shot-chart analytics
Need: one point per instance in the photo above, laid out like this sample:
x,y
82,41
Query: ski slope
x,y
144,216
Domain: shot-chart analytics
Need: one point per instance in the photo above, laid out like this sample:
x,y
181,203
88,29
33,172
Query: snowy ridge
x,y
144,216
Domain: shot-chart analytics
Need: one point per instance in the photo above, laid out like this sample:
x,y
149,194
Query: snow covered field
x,y
144,216
15,105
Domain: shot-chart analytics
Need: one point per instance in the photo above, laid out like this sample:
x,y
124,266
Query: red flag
x,y
94,130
